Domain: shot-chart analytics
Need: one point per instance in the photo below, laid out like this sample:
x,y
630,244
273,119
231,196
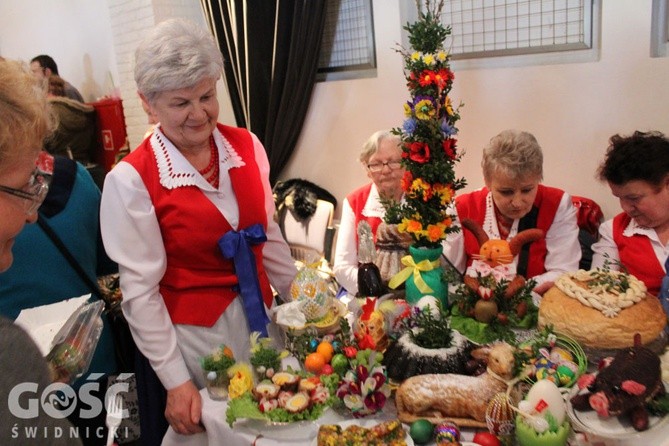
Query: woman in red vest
x,y
637,171
188,218
513,200
381,158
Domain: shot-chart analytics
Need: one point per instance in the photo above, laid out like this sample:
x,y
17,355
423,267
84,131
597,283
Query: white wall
x,y
76,33
571,108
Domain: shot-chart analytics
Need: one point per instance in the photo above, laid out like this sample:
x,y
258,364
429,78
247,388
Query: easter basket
x,y
552,356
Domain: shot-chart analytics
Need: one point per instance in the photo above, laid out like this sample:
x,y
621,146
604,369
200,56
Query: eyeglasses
x,y
33,193
378,167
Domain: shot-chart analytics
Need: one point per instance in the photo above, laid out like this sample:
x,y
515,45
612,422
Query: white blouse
x,y
564,250
606,247
346,252
132,238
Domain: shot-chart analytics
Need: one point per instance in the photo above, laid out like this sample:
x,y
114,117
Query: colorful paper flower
x,y
418,152
424,108
429,149
409,126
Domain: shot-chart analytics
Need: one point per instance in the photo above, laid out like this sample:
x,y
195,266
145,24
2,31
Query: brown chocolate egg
x,y
499,416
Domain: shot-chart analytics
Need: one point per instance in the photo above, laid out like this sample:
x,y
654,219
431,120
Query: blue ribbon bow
x,y
236,245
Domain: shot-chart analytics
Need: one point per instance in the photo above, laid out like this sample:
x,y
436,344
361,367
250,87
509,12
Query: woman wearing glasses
x,y
23,127
24,124
381,157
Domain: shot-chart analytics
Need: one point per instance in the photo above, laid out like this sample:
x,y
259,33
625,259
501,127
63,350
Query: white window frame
x,y
408,14
659,30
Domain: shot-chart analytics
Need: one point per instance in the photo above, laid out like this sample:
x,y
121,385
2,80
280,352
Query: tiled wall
x,y
130,19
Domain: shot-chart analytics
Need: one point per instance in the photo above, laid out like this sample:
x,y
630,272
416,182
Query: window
x,y
347,49
482,28
660,29
530,31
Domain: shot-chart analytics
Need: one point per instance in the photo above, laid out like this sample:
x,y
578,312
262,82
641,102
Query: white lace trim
x,y
490,223
634,228
174,169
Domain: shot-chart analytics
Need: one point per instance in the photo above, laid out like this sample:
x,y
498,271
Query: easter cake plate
x,y
619,428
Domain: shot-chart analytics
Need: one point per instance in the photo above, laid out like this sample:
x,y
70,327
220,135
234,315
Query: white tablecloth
x,y
254,432
247,433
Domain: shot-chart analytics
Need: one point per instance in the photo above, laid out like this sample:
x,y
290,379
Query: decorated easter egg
x,y
446,434
542,363
565,374
431,302
421,431
547,373
545,396
499,416
559,355
311,290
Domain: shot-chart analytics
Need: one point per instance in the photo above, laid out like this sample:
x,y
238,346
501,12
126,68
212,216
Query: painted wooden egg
x,y
447,434
499,416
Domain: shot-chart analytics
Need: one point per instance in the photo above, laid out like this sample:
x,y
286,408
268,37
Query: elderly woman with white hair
x,y
381,157
514,200
188,218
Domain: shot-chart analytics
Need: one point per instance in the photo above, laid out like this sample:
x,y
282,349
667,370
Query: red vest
x,y
473,206
199,282
637,255
357,199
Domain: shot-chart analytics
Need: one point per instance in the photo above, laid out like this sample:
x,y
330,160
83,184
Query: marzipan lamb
x,y
459,398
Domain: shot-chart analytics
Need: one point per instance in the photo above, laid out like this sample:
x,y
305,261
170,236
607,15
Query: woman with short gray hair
x,y
513,153
513,200
381,157
173,212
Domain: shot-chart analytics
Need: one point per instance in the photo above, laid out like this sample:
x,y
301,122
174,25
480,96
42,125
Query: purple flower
x,y
446,128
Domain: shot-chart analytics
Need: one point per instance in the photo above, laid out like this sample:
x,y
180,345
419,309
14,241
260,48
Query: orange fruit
x,y
314,363
326,349
228,352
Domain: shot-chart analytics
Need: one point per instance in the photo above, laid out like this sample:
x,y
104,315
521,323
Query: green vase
x,y
433,278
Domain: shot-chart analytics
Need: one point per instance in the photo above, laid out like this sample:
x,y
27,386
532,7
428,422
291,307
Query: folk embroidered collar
x,y
175,170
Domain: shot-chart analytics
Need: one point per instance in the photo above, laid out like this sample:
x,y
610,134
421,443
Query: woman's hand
x,y
541,289
184,409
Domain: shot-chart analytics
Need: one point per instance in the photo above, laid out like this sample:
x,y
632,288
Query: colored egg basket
x,y
560,359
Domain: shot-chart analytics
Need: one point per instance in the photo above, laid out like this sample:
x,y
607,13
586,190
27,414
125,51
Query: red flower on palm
x,y
443,76
419,152
427,78
449,147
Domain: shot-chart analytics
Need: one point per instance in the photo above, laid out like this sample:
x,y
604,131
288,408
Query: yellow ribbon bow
x,y
415,269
